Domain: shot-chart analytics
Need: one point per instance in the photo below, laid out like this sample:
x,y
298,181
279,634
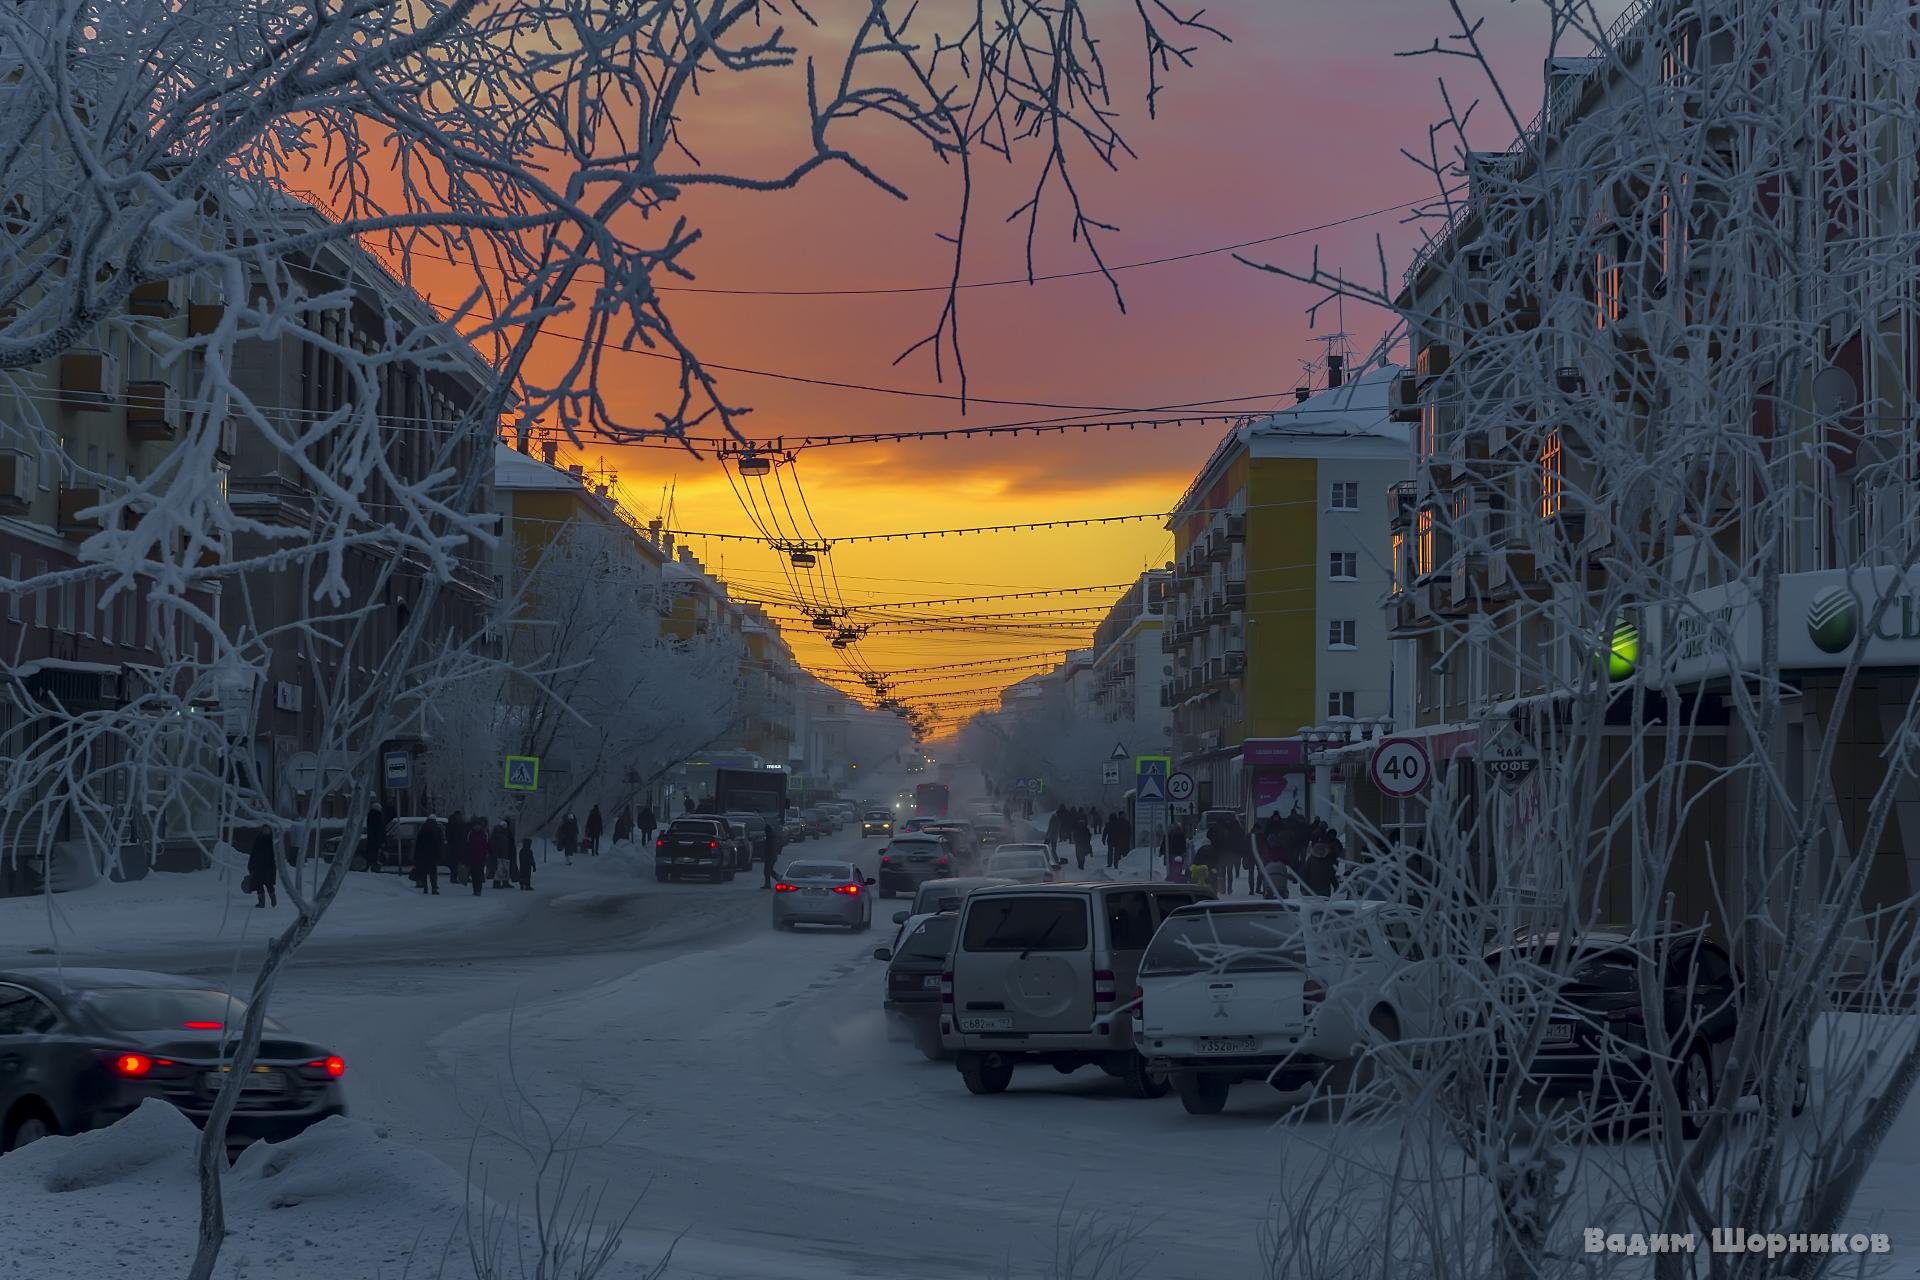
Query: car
x,y
944,895
1594,1045
1046,974
876,822
84,1047
701,844
741,826
966,843
916,823
908,861
820,892
792,829
1023,863
815,822
915,962
1290,992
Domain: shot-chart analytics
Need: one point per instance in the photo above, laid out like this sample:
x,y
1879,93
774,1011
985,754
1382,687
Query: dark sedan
x,y
80,1048
1595,1044
909,861
912,1002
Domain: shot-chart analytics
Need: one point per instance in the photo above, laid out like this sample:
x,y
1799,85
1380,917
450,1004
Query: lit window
x,y
1606,292
1399,563
1423,543
1340,704
1552,479
1429,441
1340,633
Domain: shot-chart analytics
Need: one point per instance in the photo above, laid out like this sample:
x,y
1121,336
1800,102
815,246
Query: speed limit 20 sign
x,y
1401,767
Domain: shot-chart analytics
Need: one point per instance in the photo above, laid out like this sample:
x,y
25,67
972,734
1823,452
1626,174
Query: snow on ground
x,y
107,921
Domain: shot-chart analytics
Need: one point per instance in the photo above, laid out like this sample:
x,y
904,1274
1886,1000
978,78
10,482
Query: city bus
x,y
930,800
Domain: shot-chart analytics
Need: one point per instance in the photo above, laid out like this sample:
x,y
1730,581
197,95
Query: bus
x,y
930,800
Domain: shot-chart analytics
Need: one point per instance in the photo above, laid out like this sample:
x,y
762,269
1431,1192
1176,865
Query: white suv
x,y
1284,991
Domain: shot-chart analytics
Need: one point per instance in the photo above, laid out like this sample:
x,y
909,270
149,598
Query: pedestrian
x,y
646,824
769,850
523,863
1082,842
595,825
1174,847
456,847
1054,824
689,804
474,855
1317,868
623,825
426,855
500,855
568,836
376,836
263,870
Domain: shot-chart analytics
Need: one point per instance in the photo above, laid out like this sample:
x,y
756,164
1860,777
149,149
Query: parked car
x,y
1288,992
914,965
1595,1041
702,845
1023,864
944,895
815,822
1044,974
741,827
909,861
84,1047
818,892
877,822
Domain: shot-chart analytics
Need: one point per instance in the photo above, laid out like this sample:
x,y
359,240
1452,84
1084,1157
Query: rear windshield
x,y
1022,859
1027,924
931,941
1226,941
695,826
152,1009
819,871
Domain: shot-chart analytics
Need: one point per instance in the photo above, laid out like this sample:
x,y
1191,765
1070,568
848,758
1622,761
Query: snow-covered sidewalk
x,y
108,921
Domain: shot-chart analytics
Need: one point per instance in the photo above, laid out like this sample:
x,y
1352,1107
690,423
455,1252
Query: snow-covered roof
x,y
1356,408
515,470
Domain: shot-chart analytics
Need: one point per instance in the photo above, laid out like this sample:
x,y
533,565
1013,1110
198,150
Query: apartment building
x,y
1282,558
1130,661
1646,361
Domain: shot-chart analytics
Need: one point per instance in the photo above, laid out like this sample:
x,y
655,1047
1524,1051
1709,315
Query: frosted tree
x,y
1659,538
183,187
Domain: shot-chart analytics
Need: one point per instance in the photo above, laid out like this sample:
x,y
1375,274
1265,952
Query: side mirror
x,y
871,882
899,917
883,953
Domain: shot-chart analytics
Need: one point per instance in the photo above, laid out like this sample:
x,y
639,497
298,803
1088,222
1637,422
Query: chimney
x,y
1336,371
1302,394
549,450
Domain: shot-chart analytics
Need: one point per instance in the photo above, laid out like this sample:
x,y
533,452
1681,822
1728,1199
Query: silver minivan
x,y
1047,974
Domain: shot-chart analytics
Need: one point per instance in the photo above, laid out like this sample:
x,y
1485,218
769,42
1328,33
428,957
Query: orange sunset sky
x,y
1299,121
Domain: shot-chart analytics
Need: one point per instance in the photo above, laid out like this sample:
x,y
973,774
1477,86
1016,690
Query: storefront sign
x,y
1273,753
1827,620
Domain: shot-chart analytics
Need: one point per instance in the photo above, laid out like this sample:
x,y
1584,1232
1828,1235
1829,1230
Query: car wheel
x,y
985,1073
1202,1095
29,1123
1142,1082
1694,1086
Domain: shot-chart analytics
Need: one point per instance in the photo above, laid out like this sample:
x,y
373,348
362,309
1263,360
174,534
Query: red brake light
x,y
661,843
333,1064
846,888
204,1026
783,887
885,861
713,844
132,1065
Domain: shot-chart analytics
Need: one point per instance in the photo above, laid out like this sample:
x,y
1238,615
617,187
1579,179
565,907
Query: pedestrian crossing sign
x,y
523,773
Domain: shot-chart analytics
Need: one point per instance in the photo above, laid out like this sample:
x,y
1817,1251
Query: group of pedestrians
x,y
1074,825
1283,856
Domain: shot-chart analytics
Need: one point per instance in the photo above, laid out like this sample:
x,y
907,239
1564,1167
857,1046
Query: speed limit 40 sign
x,y
1401,767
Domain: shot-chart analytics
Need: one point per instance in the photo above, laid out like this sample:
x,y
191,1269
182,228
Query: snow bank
x,y
342,1200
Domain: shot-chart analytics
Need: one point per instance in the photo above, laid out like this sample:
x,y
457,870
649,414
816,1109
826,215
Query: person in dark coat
x,y
568,837
427,853
1174,846
456,846
689,804
263,869
1054,825
474,854
376,835
769,851
595,825
623,825
647,823
500,855
1082,842
523,863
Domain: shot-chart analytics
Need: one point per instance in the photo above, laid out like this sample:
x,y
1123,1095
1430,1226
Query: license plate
x,y
1558,1033
993,1022
816,892
1228,1044
257,1081
931,980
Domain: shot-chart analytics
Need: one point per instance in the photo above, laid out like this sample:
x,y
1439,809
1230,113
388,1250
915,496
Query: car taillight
x,y
713,844
946,988
204,1026
1104,990
846,888
661,843
333,1066
1313,993
134,1065
885,861
784,887
942,862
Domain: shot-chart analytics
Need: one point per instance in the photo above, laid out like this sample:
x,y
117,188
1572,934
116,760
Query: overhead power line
x,y
934,533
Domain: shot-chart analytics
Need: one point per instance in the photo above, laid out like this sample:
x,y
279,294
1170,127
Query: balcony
x,y
203,318
1407,615
1216,671
1217,607
17,474
1402,497
153,412
1236,660
73,500
1218,546
89,381
1237,527
1405,401
1466,586
1432,360
1236,594
153,299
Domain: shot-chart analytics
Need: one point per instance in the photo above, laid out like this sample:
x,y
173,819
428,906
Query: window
x,y
69,593
1340,704
1340,633
1606,292
91,607
13,596
1423,543
1427,443
1026,924
1399,564
1129,921
22,1013
1552,478
1344,496
1344,565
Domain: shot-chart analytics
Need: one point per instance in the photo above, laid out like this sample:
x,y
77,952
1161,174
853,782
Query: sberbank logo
x,y
1833,619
